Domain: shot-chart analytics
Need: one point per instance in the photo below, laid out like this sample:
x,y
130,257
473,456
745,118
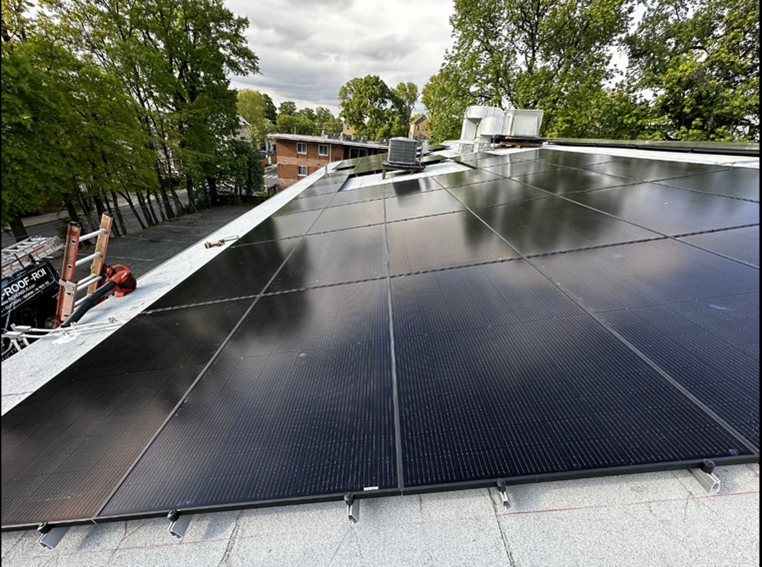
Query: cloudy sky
x,y
309,48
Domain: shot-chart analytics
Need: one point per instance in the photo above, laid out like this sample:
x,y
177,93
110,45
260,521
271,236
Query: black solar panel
x,y
298,404
544,226
498,192
669,210
284,226
608,345
237,272
544,390
443,241
693,313
67,446
738,243
424,204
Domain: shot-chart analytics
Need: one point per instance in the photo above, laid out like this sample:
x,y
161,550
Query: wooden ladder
x,y
67,295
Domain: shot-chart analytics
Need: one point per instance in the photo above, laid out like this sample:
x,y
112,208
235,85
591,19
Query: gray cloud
x,y
308,50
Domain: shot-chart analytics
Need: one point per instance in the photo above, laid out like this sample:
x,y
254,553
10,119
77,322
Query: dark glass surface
x,y
358,195
286,226
432,159
469,177
306,204
738,182
551,225
65,448
350,216
651,169
693,313
412,206
524,168
412,187
443,241
739,243
369,164
492,193
574,159
236,272
670,210
571,181
301,405
334,257
500,375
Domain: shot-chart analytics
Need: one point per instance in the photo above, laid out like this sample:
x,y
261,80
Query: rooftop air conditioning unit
x,y
403,151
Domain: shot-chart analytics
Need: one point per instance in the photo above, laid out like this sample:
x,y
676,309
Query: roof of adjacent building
x,y
340,141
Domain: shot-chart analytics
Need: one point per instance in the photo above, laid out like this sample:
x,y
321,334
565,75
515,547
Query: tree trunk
x,y
72,210
165,201
118,211
158,205
114,226
212,182
191,198
150,207
19,230
134,210
144,207
178,204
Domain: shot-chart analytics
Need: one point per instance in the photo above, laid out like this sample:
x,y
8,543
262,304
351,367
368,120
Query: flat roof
x,y
326,140
434,258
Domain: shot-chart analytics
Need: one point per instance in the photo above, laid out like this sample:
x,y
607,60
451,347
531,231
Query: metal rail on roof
x,y
719,148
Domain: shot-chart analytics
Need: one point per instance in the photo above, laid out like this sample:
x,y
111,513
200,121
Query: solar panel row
x,y
530,327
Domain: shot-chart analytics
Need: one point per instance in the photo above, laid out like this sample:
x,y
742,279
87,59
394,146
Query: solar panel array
x,y
544,314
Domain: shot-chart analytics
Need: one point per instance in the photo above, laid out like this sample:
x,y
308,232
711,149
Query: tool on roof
x,y
119,280
220,242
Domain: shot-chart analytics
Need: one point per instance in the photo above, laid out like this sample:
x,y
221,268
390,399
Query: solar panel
x,y
738,182
498,192
443,241
334,257
237,272
651,170
738,243
572,181
693,313
283,226
669,210
544,226
66,447
424,204
350,216
488,390
609,345
298,404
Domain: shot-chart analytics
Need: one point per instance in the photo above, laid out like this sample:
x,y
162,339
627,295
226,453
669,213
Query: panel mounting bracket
x,y
353,508
179,524
50,536
503,494
705,475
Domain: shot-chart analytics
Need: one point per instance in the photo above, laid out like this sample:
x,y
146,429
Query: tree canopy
x,y
375,110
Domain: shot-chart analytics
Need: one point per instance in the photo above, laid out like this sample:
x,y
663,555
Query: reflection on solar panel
x,y
369,164
589,315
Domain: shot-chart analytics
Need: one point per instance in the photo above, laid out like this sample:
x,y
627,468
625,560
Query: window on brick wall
x,y
323,150
301,148
301,170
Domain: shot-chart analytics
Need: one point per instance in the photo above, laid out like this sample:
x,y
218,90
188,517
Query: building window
x,y
301,170
301,148
323,150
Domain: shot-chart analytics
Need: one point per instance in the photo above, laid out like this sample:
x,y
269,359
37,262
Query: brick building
x,y
298,156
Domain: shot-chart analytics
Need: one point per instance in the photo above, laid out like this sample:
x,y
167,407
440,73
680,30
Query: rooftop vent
x,y
403,151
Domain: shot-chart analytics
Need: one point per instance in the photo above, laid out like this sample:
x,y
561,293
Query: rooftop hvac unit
x,y
403,151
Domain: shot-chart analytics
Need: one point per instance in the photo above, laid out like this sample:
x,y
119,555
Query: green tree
x,y
445,98
539,54
244,168
288,108
367,104
405,95
254,107
295,125
700,59
271,113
